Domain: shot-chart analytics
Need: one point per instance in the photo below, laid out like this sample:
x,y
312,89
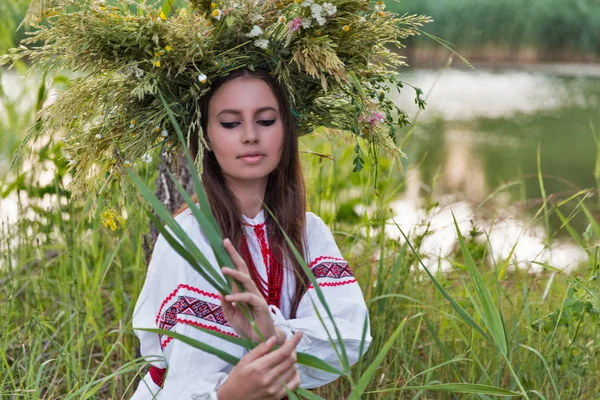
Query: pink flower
x,y
295,24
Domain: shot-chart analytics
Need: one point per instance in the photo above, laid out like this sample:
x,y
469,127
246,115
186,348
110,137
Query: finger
x,y
284,377
278,356
258,351
292,384
286,365
243,278
238,260
228,308
255,300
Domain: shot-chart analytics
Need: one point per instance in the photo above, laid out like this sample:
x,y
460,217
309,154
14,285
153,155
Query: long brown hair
x,y
285,195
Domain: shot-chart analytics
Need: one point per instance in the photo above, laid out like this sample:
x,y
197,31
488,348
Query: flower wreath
x,y
334,58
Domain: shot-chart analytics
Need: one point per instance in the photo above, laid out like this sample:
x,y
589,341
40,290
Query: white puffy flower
x,y
127,163
307,3
164,133
256,31
320,20
316,10
329,8
147,158
202,78
306,23
262,43
98,136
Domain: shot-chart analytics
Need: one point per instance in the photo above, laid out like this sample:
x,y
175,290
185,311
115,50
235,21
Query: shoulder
x,y
319,239
314,223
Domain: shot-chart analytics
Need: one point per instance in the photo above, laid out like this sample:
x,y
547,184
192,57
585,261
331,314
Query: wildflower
x,y
256,31
298,1
132,124
157,129
70,159
216,13
307,3
168,48
207,24
147,158
279,5
98,136
102,7
321,21
295,24
346,28
316,10
65,140
164,133
306,23
381,13
157,63
365,131
282,19
127,163
213,5
329,8
262,43
108,219
202,78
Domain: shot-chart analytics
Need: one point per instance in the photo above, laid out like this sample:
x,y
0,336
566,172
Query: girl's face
x,y
245,129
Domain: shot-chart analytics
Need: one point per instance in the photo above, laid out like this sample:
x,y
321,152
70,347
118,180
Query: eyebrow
x,y
230,111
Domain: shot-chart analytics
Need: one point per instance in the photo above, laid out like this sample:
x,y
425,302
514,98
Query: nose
x,y
250,133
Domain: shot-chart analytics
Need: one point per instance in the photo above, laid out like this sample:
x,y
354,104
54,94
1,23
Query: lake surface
x,y
474,151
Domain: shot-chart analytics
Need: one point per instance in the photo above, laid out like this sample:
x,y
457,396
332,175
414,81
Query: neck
x,y
249,195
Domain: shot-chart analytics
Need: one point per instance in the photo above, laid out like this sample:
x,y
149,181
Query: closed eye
x,y
266,122
229,125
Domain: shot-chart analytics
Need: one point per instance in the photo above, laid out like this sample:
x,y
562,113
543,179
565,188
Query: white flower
x,y
147,158
164,133
65,140
306,23
307,3
202,78
262,43
381,120
256,31
70,159
127,163
316,10
330,9
98,136
320,20
217,14
362,19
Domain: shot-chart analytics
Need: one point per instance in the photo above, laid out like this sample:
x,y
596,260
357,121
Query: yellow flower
x,y
298,1
282,19
213,5
365,131
108,219
346,28
168,48
216,13
279,5
157,129
127,163
163,16
208,24
133,123
157,63
102,7
381,13
156,54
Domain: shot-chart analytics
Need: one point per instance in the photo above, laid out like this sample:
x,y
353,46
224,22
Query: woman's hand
x,y
251,297
261,375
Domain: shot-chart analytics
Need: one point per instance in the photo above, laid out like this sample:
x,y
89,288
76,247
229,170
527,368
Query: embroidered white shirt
x,y
175,297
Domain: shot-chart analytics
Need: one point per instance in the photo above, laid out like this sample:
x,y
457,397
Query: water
x,y
474,153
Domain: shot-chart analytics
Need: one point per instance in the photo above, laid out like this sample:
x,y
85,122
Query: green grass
x,y
546,26
70,285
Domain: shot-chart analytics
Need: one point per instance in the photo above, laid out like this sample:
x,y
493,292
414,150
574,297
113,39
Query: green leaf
x,y
489,311
368,375
472,388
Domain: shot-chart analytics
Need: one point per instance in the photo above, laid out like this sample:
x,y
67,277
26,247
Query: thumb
x,y
258,351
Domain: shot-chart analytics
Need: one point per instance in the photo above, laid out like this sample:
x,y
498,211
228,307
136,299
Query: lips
x,y
252,154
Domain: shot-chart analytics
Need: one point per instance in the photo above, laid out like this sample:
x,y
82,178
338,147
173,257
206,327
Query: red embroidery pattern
x,y
331,268
190,306
174,292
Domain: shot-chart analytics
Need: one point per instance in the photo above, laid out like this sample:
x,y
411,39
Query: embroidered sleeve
x,y
344,298
176,298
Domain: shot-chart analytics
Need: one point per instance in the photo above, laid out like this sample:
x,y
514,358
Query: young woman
x,y
251,163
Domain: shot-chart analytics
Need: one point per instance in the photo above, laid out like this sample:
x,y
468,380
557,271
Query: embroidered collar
x,y
258,220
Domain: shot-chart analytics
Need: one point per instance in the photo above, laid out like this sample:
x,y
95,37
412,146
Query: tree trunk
x,y
167,192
